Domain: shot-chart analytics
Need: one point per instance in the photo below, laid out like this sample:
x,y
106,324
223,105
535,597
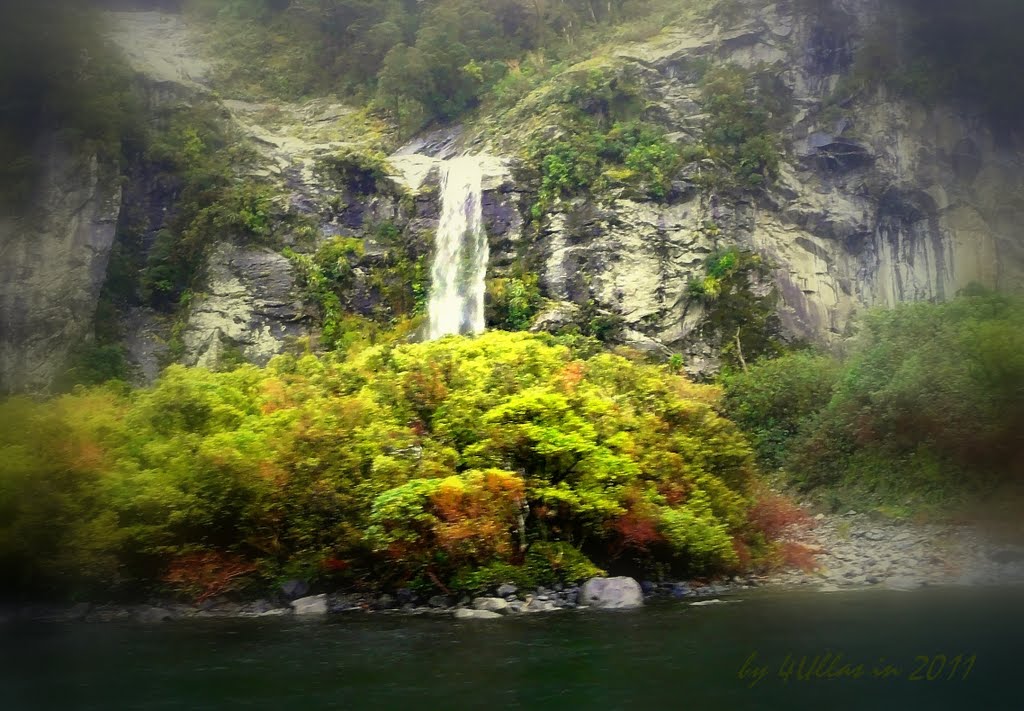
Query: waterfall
x,y
460,253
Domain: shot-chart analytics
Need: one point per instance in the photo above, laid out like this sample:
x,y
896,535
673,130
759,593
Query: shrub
x,y
775,399
512,302
928,405
740,318
589,159
429,461
738,130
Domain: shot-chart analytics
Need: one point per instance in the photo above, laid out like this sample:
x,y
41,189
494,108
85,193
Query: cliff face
x,y
53,262
881,202
890,202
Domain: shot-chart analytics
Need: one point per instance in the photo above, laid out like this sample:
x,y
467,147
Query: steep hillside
x,y
745,176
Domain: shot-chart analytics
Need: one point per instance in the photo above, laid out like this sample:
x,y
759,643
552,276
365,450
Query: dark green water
x,y
662,657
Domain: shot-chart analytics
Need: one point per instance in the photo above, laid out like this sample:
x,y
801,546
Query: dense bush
x,y
601,143
775,400
193,154
398,278
419,464
416,61
740,306
928,407
512,302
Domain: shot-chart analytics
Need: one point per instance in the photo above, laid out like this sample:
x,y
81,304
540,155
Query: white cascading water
x,y
460,252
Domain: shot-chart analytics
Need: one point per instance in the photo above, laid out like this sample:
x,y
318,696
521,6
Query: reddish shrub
x,y
773,515
636,531
744,556
207,574
798,555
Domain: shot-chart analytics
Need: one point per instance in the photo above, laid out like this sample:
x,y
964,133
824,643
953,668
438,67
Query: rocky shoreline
x,y
855,550
850,551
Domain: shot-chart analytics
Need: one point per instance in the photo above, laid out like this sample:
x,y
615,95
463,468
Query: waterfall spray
x,y
460,254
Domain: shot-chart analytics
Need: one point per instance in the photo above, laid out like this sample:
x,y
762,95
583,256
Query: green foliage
x,y
402,278
925,410
776,399
928,406
587,159
738,131
57,532
194,154
512,302
95,363
416,62
326,275
740,317
460,460
398,279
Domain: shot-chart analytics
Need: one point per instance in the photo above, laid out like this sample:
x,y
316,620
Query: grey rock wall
x,y
892,202
53,262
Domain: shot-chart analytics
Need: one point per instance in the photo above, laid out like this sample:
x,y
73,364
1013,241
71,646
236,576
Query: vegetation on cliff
x,y
418,62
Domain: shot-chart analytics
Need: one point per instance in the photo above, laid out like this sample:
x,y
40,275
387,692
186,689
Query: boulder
x,y
312,605
466,614
506,590
153,615
78,612
384,602
556,317
612,593
294,589
539,605
491,604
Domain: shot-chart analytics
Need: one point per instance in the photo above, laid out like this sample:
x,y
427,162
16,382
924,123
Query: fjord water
x,y
665,656
460,252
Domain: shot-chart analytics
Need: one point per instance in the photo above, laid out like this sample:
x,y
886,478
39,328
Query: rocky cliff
x,y
882,202
53,262
879,200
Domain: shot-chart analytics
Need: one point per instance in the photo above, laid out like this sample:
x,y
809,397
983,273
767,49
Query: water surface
x,y
668,656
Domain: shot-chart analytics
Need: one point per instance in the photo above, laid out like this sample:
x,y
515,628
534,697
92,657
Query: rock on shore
x,y
612,593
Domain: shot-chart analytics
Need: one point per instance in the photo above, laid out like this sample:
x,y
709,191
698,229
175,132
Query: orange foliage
x,y
744,556
208,574
425,390
335,564
275,397
84,455
675,492
474,521
571,376
273,473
